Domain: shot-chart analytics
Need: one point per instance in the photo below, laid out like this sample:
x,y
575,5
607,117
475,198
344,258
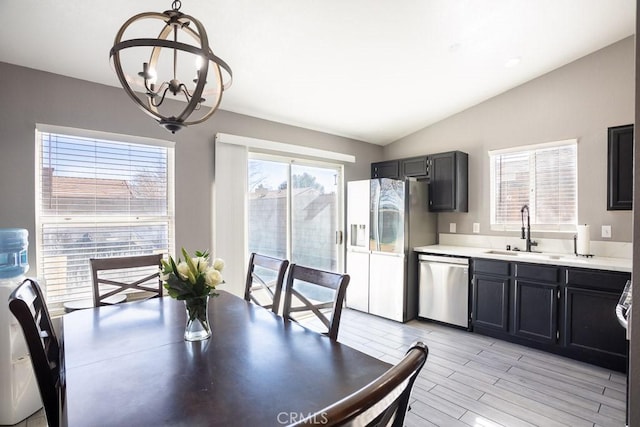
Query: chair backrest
x,y
382,402
131,275
312,290
28,306
265,277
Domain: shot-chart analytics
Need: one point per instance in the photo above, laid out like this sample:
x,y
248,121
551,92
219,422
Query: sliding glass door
x,y
295,211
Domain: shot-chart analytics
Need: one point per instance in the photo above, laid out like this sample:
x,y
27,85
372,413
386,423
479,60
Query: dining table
x,y
129,365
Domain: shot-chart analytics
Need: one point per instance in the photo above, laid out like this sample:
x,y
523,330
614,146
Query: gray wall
x,y
580,100
32,97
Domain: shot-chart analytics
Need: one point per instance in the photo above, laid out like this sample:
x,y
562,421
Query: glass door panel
x,y
314,217
267,207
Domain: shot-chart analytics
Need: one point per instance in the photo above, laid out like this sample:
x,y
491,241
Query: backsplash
x,y
559,246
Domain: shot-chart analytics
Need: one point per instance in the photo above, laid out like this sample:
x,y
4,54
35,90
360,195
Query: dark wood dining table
x,y
128,365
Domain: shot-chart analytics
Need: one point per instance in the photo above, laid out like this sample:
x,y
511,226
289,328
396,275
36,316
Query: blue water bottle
x,y
13,252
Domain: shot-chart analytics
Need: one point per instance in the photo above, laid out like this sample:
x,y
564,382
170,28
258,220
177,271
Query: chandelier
x,y
173,71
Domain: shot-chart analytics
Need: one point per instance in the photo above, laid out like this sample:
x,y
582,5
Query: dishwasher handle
x,y
443,259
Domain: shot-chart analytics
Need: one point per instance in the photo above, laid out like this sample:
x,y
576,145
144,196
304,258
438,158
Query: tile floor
x,y
472,380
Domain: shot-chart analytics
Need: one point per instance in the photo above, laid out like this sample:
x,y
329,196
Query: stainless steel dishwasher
x,y
444,289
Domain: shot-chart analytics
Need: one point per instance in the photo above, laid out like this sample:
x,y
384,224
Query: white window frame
x,y
531,150
43,220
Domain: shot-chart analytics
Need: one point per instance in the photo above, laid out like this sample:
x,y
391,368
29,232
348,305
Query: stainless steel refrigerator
x,y
386,219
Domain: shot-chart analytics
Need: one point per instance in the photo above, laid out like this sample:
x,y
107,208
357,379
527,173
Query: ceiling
x,y
371,70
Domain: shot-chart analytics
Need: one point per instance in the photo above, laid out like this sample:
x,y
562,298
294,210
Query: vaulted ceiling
x,y
372,70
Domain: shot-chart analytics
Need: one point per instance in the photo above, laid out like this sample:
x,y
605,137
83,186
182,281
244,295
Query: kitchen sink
x,y
539,255
535,255
499,252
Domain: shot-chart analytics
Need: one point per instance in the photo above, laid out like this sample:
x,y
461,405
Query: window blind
x,y
98,198
543,177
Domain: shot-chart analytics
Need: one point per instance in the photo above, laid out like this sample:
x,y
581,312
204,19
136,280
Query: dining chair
x,y
119,275
382,402
316,292
30,309
265,276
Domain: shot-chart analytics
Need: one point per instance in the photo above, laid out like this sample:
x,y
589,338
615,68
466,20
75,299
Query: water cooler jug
x,y
19,394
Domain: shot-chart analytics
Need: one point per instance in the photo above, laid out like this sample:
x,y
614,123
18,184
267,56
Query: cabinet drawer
x,y
500,268
539,273
598,279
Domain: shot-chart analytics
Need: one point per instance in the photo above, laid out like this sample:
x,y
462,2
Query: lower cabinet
x,y
591,330
589,325
490,301
535,311
536,302
564,310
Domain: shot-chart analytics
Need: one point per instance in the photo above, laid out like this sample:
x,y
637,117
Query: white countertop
x,y
569,260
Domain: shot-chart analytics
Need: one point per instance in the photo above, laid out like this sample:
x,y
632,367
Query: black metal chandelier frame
x,y
155,95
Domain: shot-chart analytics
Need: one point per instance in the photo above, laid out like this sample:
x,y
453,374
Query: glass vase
x,y
198,327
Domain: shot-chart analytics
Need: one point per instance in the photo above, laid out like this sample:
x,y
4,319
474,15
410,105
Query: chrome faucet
x,y
526,234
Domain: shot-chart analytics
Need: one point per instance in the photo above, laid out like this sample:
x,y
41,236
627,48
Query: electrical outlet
x,y
452,227
606,231
476,227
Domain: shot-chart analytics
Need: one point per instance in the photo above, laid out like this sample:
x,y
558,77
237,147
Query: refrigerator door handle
x,y
375,216
338,237
358,250
396,254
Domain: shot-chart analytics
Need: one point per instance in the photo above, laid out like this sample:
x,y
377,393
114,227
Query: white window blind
x,y
542,176
98,198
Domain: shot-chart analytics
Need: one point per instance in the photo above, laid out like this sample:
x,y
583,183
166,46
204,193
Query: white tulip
x,y
183,270
201,263
213,277
218,264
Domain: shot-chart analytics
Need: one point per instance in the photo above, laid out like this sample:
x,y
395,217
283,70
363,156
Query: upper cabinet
x,y
620,168
388,169
415,167
449,182
447,174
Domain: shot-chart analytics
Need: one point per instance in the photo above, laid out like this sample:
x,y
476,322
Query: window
x,y
98,197
543,176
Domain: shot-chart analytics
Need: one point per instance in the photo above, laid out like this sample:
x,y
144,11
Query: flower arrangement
x,y
193,277
193,281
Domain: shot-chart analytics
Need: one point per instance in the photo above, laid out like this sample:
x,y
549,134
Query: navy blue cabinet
x,y
620,168
564,310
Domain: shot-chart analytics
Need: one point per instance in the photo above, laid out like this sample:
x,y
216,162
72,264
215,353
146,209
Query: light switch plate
x,y
476,227
452,227
606,231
